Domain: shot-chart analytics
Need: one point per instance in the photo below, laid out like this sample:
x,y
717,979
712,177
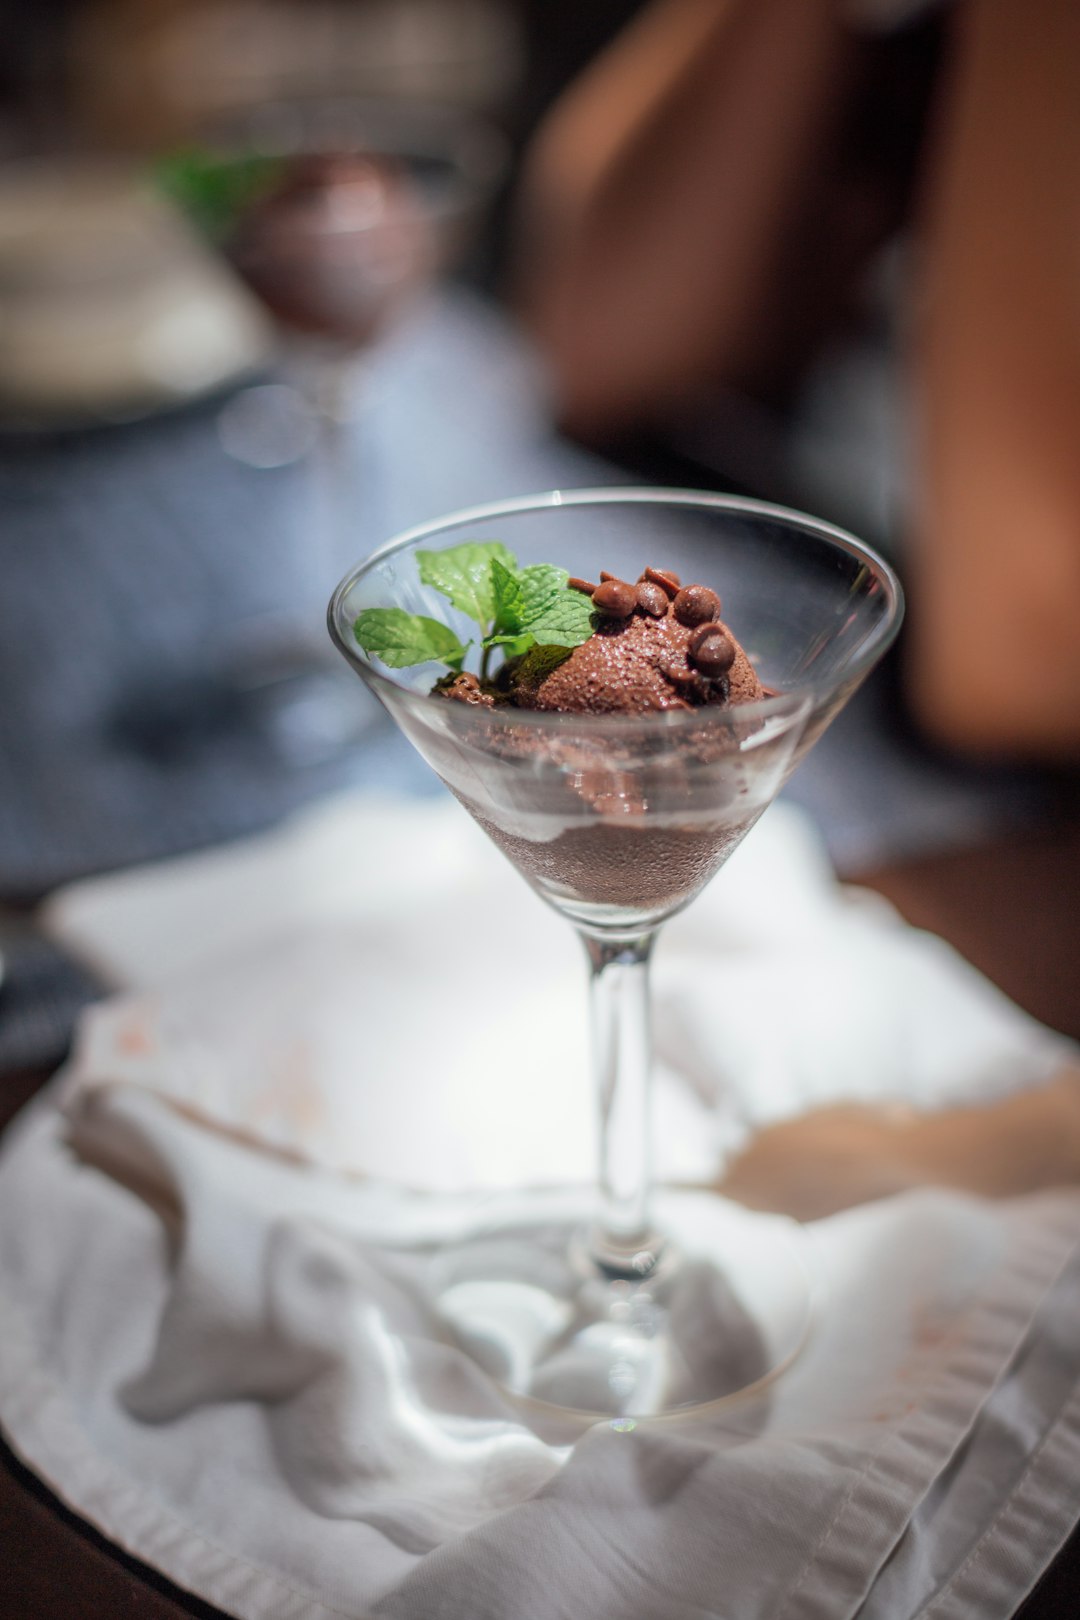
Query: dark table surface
x,y
137,562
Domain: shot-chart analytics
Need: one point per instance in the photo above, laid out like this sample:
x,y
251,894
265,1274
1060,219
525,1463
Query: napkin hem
x,y
880,1503
975,1587
37,1421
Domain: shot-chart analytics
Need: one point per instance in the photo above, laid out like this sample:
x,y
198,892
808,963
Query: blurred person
x,y
697,211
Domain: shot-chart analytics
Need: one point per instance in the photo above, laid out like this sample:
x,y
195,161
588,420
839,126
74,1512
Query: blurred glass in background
x,y
209,214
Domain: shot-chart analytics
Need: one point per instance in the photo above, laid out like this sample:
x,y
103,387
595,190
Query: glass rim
x,y
793,700
472,150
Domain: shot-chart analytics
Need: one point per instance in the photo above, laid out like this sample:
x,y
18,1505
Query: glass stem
x,y
622,1242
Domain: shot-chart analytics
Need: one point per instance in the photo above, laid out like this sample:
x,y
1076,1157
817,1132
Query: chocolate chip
x,y
710,650
605,576
652,599
696,604
669,582
615,598
576,584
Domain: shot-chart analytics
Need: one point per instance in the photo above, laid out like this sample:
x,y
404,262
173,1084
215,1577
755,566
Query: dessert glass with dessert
x,y
338,213
615,684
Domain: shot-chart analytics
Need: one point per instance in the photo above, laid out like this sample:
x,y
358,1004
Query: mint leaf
x,y
214,190
535,605
563,619
508,605
540,586
464,575
399,638
536,602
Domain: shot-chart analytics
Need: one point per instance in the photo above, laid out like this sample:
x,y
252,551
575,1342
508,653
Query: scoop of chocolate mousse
x,y
657,645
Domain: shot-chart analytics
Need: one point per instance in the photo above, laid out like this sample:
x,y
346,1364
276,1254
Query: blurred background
x,y
140,71
188,461
147,78
106,78
278,279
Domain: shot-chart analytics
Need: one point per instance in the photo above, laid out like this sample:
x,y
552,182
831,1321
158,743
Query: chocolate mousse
x,y
648,830
658,644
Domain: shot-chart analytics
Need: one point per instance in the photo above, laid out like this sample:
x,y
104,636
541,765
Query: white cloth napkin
x,y
214,1345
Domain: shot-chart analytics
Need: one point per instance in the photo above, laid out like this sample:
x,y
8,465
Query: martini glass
x,y
632,1301
340,214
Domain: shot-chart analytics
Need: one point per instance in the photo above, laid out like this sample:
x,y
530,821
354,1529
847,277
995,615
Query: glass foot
x,y
728,1307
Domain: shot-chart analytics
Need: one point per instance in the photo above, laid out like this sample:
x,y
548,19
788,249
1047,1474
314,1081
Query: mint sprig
x,y
515,609
214,189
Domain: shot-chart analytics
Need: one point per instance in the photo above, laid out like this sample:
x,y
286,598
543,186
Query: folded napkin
x,y
214,1233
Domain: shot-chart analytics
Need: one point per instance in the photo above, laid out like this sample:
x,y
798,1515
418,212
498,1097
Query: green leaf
x,y
506,597
214,190
536,603
539,586
464,575
399,638
565,619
